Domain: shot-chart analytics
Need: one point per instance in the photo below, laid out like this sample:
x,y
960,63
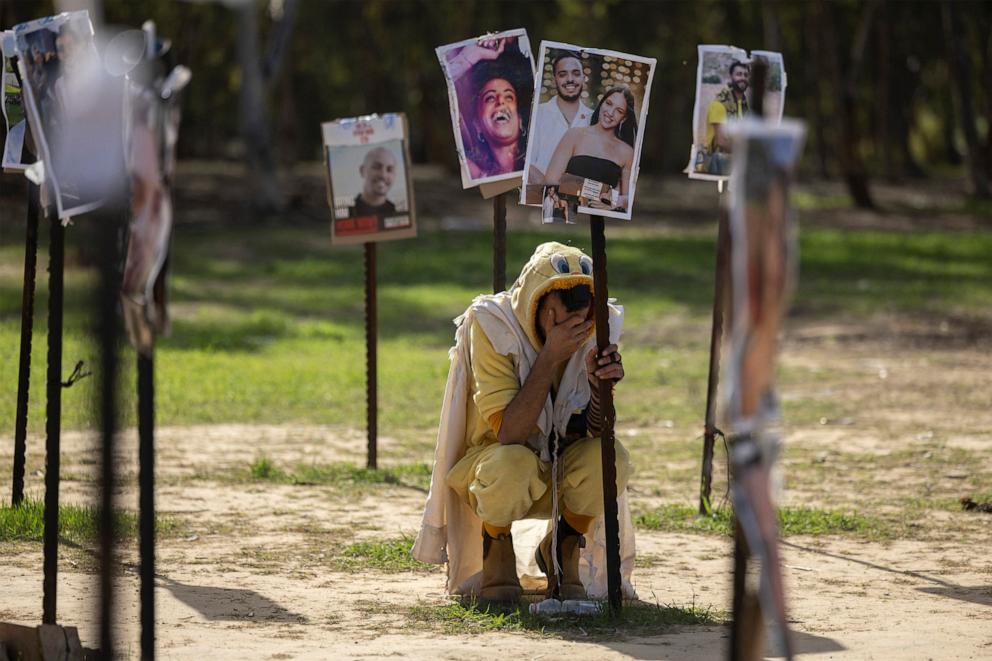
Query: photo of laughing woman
x,y
493,80
602,151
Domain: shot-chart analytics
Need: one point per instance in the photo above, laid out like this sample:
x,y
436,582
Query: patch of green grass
x,y
805,200
791,521
340,474
385,555
77,524
683,518
264,468
811,521
635,619
269,328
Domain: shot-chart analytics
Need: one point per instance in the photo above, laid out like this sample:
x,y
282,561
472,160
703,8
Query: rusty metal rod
x,y
27,330
499,243
53,419
716,335
146,487
371,333
107,335
107,330
607,439
737,635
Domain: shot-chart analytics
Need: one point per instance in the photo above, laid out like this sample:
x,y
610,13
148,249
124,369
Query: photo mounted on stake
x,y
723,94
587,128
490,83
74,109
153,114
369,185
15,155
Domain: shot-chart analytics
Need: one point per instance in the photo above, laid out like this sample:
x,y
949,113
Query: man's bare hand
x,y
564,339
607,366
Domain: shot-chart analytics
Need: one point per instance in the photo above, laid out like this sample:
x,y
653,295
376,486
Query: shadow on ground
x,y
230,604
711,643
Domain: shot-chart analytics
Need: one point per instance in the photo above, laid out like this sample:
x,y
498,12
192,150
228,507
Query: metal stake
x,y
607,439
27,329
499,243
146,486
716,335
53,419
371,331
107,330
107,336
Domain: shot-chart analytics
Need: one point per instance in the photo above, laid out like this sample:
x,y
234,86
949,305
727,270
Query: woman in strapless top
x,y
602,151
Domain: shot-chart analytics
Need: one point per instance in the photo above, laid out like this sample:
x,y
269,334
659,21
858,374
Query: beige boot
x,y
568,549
500,584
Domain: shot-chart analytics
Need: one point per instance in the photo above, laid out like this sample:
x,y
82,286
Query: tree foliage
x,y
874,78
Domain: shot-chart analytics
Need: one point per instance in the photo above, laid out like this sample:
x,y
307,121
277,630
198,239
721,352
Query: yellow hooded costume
x,y
476,478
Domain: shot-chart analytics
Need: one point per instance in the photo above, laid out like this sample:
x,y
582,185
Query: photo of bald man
x,y
378,172
369,187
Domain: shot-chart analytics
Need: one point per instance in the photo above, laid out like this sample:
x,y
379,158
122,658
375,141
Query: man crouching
x,y
519,437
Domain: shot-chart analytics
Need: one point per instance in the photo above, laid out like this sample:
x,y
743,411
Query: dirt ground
x,y
250,572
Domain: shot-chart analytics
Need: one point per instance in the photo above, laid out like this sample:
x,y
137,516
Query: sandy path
x,y
250,579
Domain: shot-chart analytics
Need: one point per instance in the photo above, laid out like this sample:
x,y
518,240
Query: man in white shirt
x,y
560,113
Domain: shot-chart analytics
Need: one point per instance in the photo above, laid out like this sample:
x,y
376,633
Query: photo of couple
x,y
573,135
587,136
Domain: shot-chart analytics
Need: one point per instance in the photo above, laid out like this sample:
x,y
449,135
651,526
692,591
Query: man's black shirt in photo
x,y
363,208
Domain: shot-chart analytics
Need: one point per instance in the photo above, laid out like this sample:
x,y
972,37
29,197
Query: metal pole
x,y
499,243
737,633
716,334
27,329
607,439
146,486
53,419
371,330
107,337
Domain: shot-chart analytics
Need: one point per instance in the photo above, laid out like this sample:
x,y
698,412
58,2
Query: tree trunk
x,y
254,116
960,67
851,164
770,25
987,76
883,107
815,97
257,75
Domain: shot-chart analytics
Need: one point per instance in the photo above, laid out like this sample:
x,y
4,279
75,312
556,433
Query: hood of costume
x,y
450,530
552,266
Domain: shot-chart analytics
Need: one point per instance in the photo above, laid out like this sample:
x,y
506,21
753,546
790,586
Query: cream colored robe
x,y
450,531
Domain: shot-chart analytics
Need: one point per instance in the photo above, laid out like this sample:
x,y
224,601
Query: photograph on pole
x,y
723,95
153,115
490,83
16,123
587,128
74,108
369,184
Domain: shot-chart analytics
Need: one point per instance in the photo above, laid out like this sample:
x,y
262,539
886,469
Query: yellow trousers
x,y
506,483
